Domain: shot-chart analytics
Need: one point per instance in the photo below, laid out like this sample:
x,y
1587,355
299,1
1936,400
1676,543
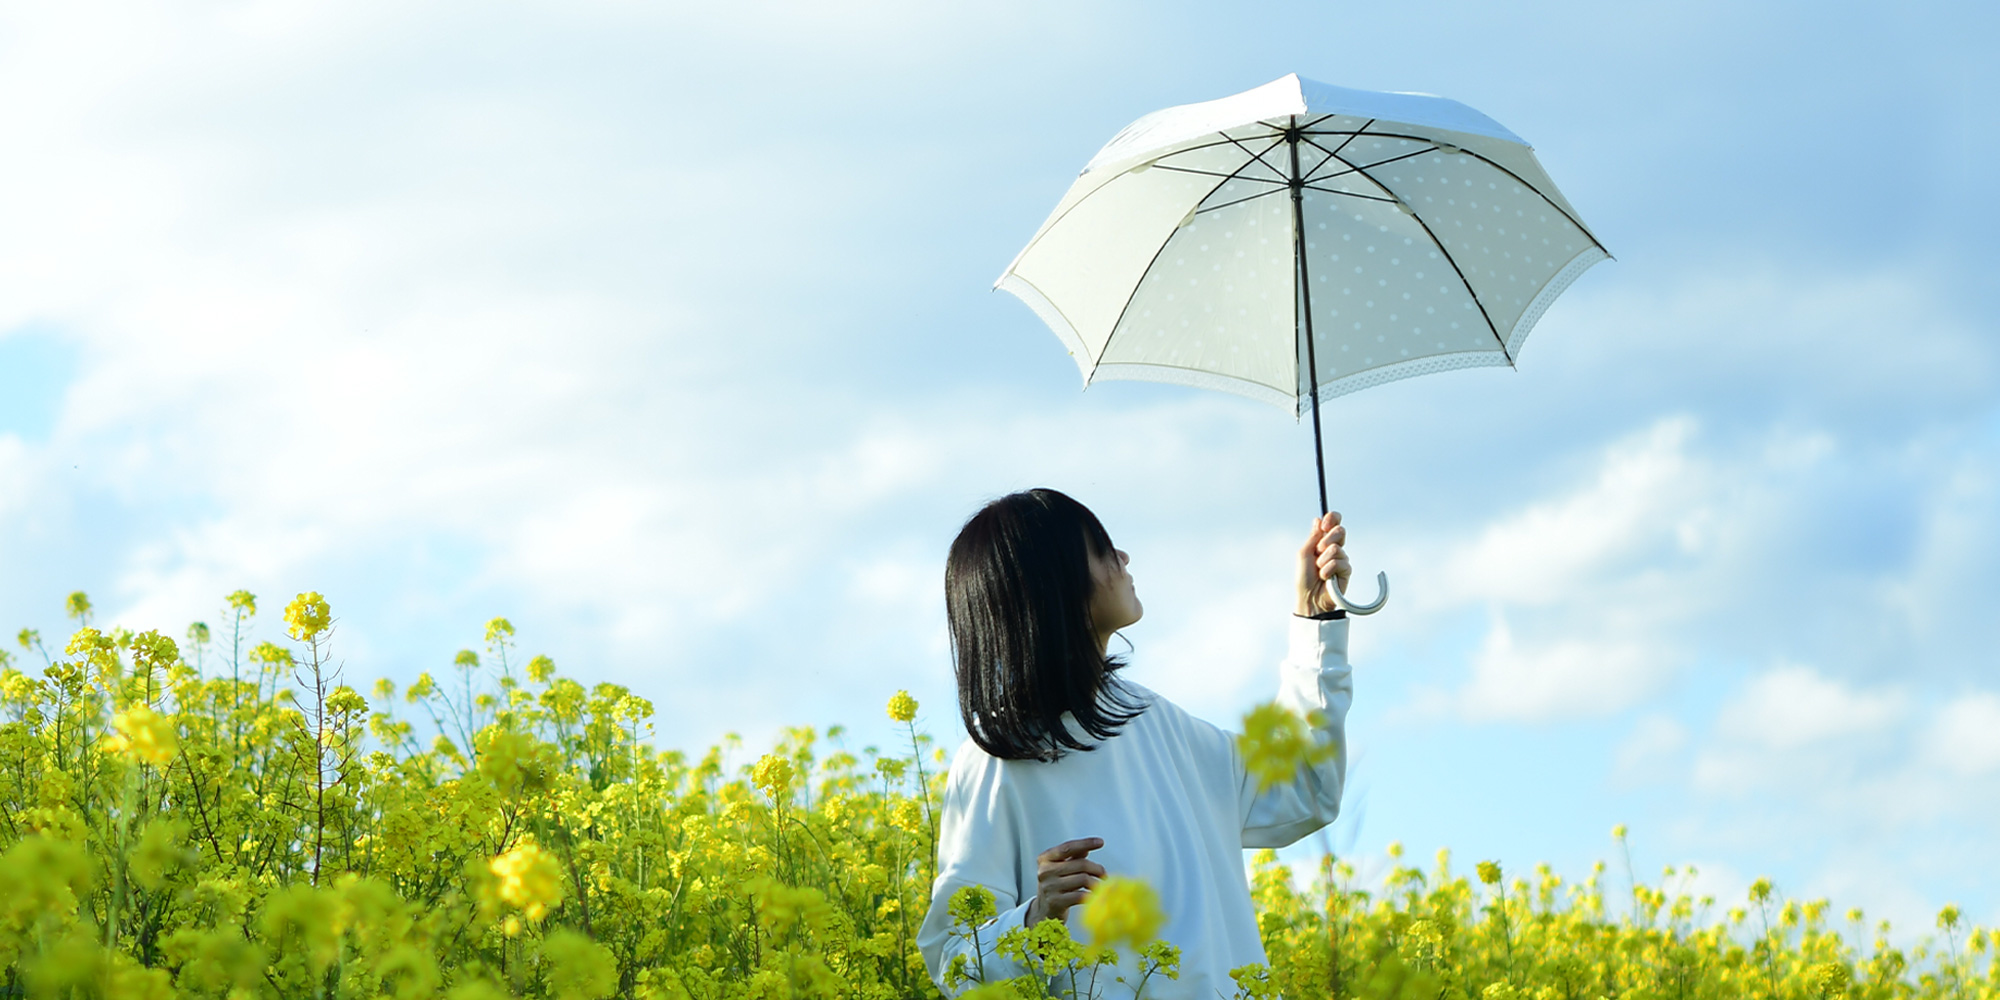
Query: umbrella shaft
x,y
1304,305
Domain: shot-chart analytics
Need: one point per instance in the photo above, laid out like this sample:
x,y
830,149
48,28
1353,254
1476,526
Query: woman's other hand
x,y
1323,565
1064,876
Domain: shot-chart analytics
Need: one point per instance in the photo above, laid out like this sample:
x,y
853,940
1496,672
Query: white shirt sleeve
x,y
1315,677
941,943
975,847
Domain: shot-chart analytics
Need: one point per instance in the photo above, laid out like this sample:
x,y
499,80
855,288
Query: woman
x,y
1074,772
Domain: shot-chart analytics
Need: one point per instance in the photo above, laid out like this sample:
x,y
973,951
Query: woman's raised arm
x,y
1316,683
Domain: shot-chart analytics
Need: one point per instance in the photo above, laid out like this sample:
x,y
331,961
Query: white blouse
x,y
1174,805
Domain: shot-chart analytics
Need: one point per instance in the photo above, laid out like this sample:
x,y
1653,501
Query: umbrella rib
x,y
1538,193
1449,259
1280,127
1453,261
1237,175
1225,140
1212,173
1259,157
1334,153
1351,136
1351,168
1351,194
1239,201
1127,307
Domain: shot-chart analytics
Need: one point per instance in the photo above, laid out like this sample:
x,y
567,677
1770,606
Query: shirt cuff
x,y
1313,639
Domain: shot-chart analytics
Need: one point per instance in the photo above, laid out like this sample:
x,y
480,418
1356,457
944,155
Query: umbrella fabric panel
x,y
1083,266
1502,236
1386,301
1383,294
1216,307
1423,255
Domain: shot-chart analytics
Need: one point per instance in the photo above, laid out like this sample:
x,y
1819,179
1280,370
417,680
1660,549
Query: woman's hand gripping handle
x,y
1324,569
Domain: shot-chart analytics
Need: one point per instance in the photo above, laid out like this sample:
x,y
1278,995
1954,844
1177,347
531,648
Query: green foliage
x,y
1439,935
230,819
257,828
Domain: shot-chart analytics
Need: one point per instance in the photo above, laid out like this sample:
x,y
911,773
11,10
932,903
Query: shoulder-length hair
x,y
1017,589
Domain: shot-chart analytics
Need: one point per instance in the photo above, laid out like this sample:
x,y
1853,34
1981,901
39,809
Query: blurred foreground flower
x,y
144,735
1123,910
1276,742
530,880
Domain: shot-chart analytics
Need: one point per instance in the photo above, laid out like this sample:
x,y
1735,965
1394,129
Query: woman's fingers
x,y
1052,887
1322,562
1070,849
1064,876
1059,894
1079,866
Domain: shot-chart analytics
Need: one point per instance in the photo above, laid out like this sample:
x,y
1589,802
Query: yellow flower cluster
x,y
1123,911
308,617
530,880
144,735
1276,742
773,774
519,835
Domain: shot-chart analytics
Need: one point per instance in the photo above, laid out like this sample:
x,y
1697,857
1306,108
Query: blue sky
x,y
665,331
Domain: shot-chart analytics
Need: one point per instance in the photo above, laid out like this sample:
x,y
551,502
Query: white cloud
x,y
1649,749
1964,737
1559,678
1796,707
1647,489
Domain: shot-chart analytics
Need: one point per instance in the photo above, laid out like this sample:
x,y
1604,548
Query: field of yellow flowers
x,y
221,816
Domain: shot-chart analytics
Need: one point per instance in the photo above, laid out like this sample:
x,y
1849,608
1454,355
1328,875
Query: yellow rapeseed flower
x,y
1489,872
972,905
308,616
499,630
773,774
422,688
1276,742
907,815
902,707
530,880
1828,979
145,735
1122,909
540,669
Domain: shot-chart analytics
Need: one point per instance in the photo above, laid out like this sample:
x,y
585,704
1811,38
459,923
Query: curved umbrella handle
x,y
1381,598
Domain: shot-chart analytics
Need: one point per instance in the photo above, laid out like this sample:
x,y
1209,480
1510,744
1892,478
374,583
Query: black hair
x,y
1017,589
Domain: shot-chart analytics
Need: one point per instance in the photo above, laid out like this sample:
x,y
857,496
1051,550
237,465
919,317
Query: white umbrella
x,y
1301,241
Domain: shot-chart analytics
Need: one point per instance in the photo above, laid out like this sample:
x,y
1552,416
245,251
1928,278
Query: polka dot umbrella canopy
x,y
1300,241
